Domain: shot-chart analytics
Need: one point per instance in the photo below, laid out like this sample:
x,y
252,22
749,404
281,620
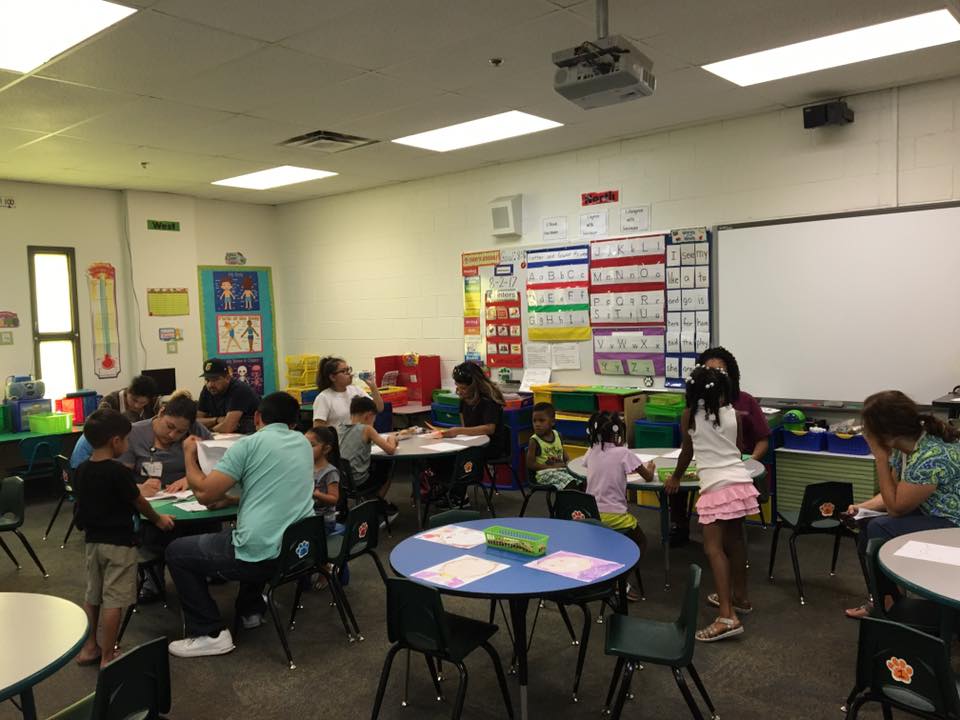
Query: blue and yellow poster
x,y
237,318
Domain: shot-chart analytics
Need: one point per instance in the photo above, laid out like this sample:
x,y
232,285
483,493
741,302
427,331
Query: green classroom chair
x,y
416,621
12,517
819,514
899,667
360,537
135,685
67,474
634,641
38,454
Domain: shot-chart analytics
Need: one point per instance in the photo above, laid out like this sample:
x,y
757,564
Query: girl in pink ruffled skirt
x,y
710,429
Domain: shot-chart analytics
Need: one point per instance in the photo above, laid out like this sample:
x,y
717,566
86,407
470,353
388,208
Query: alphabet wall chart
x,y
558,293
492,315
688,302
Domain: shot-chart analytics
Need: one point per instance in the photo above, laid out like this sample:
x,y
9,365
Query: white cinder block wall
x,y
377,272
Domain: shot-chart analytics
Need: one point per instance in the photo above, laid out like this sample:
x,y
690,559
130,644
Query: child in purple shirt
x,y
608,463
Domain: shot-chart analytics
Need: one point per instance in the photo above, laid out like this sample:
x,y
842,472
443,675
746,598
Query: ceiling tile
x,y
384,32
271,21
10,139
149,50
429,114
49,106
259,79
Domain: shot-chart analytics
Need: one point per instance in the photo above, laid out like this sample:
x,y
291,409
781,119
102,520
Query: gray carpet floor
x,y
792,662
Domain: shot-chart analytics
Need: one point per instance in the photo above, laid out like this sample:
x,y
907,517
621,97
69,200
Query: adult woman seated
x,y
138,401
335,380
155,446
481,409
918,470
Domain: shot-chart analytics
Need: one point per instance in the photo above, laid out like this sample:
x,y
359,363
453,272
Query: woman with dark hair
x,y
481,409
335,380
918,471
754,438
138,401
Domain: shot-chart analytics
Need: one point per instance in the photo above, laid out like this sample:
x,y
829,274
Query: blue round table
x,y
518,584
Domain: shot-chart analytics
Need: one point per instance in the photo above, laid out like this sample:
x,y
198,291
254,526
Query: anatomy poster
x,y
102,285
238,323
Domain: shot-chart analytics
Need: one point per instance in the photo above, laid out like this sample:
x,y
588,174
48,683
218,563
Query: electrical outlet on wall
x,y
6,337
172,348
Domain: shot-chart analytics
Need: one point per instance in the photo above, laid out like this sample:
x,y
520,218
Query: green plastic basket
x,y
516,541
690,475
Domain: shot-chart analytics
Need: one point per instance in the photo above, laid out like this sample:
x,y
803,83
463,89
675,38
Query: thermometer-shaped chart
x,y
101,278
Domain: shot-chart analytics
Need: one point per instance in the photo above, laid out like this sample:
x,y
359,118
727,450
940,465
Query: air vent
x,y
327,141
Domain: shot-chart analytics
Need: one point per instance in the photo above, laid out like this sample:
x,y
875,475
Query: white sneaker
x,y
203,645
250,622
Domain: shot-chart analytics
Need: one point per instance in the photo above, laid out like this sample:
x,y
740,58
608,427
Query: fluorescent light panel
x,y
34,31
480,131
274,177
890,38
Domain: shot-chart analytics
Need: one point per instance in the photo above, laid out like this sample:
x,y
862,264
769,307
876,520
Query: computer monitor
x,y
165,378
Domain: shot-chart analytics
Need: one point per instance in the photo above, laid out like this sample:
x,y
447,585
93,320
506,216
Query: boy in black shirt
x,y
107,502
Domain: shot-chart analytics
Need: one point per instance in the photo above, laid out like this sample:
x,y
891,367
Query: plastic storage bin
x,y
847,444
664,413
648,434
51,423
21,410
73,406
446,397
396,396
578,401
804,440
445,414
572,426
542,393
5,426
666,399
612,399
303,395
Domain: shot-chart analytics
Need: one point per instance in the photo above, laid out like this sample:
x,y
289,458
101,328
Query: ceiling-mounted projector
x,y
604,72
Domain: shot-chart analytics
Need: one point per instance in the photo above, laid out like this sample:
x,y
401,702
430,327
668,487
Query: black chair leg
x,y
126,621
636,574
279,626
703,691
349,610
493,611
796,566
9,553
685,691
526,500
836,551
582,654
773,548
887,712
56,511
853,708
501,677
339,603
624,690
618,668
67,536
566,621
376,561
30,551
434,676
296,600
384,676
461,692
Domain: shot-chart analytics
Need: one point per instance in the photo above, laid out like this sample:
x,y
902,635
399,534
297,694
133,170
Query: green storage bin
x,y
51,423
664,413
513,540
446,414
580,402
5,425
666,400
655,435
446,397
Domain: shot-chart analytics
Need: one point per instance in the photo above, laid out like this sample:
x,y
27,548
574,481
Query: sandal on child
x,y
720,629
741,608
858,613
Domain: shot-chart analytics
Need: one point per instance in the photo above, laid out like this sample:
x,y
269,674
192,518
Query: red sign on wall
x,y
599,198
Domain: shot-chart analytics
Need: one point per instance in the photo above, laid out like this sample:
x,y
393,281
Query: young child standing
x,y
107,500
326,476
710,428
608,463
355,439
545,453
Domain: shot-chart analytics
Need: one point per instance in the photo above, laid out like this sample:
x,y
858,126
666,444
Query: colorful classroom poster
x,y
102,286
627,281
688,301
629,351
168,302
503,328
245,340
558,282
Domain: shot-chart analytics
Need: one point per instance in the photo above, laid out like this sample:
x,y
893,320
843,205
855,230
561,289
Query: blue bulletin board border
x,y
209,312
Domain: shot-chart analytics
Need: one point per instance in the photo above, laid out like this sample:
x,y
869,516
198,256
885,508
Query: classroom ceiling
x,y
201,91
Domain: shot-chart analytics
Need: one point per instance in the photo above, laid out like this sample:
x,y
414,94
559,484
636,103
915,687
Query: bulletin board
x,y
493,307
238,324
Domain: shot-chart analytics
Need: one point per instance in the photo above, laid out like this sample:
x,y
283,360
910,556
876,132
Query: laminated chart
x,y
558,296
503,328
102,285
628,306
688,302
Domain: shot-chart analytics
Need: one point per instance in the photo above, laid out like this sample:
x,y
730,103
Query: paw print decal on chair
x,y
362,531
302,549
900,670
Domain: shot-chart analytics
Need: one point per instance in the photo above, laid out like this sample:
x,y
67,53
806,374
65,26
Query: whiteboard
x,y
837,308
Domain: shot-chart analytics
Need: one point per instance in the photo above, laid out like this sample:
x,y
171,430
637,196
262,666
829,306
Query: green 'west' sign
x,y
170,225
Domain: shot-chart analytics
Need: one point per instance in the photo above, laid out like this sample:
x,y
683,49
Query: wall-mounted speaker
x,y
506,216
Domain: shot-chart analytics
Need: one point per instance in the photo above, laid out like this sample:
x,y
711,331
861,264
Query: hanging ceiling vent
x,y
327,141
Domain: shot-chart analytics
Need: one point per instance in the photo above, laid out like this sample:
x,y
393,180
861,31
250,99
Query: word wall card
x,y
628,306
688,261
558,283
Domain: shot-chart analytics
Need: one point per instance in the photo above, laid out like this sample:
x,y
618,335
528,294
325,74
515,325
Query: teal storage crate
x,y
648,434
578,402
446,414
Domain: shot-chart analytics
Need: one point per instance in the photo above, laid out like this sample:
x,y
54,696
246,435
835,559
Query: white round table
x,y
579,470
424,447
933,580
41,633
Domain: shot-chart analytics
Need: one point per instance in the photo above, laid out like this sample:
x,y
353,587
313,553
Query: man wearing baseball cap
x,y
226,405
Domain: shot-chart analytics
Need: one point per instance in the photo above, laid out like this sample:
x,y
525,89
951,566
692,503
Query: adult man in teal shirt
x,y
274,470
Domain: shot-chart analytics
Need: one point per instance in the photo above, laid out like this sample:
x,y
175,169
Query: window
x,y
56,337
